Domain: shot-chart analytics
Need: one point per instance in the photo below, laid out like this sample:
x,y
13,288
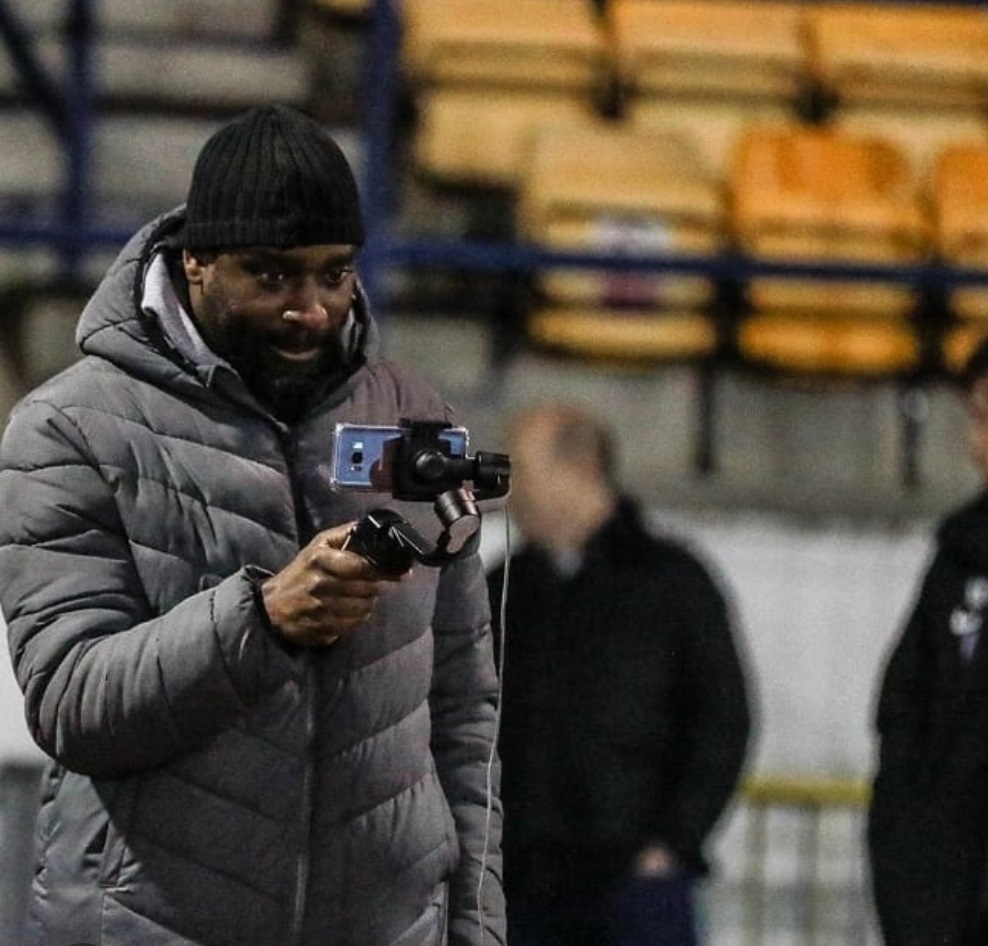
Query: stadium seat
x,y
829,346
712,125
481,136
958,344
622,337
483,81
542,44
959,194
725,47
919,132
609,188
959,206
806,195
900,53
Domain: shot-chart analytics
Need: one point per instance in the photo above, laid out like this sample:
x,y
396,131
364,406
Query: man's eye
x,y
337,275
272,277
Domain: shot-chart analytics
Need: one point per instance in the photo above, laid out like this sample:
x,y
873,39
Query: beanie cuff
x,y
272,177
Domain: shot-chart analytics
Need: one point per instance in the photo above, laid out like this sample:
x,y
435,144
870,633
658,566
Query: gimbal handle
x,y
392,544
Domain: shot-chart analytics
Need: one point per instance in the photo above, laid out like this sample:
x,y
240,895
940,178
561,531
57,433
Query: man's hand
x,y
324,592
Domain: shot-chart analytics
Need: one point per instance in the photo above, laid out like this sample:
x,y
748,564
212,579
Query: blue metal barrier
x,y
68,107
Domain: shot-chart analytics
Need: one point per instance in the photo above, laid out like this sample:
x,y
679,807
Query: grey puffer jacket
x,y
210,785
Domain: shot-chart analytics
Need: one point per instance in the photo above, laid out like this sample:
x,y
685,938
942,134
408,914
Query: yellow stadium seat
x,y
959,342
482,136
541,43
959,197
604,167
713,125
484,81
622,337
919,132
809,194
818,194
606,187
960,204
900,53
731,47
829,345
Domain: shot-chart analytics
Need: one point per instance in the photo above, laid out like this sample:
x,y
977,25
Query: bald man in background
x,y
626,715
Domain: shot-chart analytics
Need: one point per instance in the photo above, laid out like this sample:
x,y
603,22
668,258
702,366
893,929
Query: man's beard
x,y
284,387
285,390
285,395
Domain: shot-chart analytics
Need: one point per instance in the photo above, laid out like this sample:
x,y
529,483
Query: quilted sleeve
x,y
109,686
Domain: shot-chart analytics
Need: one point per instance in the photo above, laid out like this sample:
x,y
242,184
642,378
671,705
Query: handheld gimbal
x,y
424,468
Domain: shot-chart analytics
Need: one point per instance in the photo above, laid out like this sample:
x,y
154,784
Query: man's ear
x,y
194,267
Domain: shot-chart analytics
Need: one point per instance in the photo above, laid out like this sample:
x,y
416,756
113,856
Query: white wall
x,y
819,609
15,743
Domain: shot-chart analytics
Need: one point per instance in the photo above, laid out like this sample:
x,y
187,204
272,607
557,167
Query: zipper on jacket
x,y
306,808
303,524
305,532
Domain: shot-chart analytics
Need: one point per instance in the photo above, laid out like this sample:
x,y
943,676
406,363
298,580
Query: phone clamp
x,y
424,466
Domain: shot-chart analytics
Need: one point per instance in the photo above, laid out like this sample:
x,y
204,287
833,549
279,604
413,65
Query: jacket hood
x,y
964,533
114,326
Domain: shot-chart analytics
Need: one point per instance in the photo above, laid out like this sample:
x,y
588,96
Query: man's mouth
x,y
298,354
298,348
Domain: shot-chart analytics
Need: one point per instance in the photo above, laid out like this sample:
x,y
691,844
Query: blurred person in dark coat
x,y
928,822
626,716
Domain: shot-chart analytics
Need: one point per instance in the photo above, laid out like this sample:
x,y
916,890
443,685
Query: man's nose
x,y
307,309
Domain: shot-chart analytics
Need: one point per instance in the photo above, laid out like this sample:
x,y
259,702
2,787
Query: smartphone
x,y
363,457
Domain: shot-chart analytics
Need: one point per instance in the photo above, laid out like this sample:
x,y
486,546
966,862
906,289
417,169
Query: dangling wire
x,y
489,810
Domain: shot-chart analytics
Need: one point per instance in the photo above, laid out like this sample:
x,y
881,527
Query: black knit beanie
x,y
272,177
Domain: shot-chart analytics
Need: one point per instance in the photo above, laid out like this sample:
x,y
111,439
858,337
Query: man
x,y
928,820
625,707
256,738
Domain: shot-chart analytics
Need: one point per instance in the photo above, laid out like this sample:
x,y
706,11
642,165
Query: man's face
x,y
542,483
275,315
